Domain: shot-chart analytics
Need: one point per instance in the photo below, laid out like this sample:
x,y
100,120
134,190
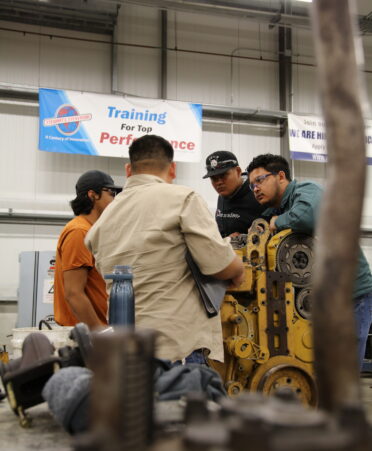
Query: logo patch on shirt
x,y
219,214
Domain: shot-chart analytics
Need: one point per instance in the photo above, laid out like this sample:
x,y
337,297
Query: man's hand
x,y
272,225
238,280
234,271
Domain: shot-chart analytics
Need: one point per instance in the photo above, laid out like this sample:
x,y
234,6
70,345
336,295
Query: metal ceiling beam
x,y
92,17
99,16
258,10
226,8
285,78
20,92
164,54
243,114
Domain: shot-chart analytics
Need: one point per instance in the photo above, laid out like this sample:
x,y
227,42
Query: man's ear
x,y
239,170
282,176
92,195
128,169
172,170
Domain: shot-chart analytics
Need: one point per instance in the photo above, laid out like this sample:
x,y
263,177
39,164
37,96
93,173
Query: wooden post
x,y
338,229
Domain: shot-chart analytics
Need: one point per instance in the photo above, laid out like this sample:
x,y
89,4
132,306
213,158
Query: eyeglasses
x,y
214,164
112,192
259,180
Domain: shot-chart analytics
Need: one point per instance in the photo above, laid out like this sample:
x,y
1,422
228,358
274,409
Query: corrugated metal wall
x,y
41,181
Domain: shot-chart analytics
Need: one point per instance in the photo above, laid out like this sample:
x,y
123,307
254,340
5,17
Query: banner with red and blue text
x,y
106,125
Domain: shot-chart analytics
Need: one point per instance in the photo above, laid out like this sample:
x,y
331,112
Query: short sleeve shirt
x,y
149,226
73,254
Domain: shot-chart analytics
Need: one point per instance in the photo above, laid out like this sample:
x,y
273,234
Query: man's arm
x,y
234,272
272,225
212,253
301,216
75,281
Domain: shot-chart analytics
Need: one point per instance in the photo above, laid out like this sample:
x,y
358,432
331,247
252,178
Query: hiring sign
x,y
104,125
307,138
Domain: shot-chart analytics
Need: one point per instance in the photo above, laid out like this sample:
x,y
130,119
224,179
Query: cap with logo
x,y
95,180
219,162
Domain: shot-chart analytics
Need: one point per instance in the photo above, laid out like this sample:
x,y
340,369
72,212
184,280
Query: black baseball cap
x,y
220,162
95,180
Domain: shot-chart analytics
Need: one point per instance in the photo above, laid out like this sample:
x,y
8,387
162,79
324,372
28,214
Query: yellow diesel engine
x,y
266,321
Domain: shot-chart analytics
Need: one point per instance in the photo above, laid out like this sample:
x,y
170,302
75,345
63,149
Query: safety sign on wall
x,y
106,125
307,138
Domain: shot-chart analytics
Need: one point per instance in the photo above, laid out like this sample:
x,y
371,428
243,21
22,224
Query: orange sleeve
x,y
74,253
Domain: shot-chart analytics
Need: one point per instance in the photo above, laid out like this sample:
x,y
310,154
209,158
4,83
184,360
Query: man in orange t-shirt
x,y
79,290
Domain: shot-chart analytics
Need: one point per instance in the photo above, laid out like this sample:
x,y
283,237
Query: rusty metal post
x,y
339,224
122,392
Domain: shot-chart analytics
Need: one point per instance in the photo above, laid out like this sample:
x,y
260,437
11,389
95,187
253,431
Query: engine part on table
x,y
79,355
267,342
122,391
25,377
292,253
257,238
121,302
303,303
238,241
285,373
252,421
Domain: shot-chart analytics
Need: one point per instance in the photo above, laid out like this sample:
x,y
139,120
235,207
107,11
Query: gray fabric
x,y
66,393
180,380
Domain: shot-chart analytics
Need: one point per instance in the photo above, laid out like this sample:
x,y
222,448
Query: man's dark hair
x,y
270,162
150,151
82,204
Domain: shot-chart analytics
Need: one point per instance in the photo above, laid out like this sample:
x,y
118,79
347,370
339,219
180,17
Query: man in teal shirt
x,y
293,205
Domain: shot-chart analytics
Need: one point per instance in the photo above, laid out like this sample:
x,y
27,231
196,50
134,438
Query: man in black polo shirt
x,y
237,206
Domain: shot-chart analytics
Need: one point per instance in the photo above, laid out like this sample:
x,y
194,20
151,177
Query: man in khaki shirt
x,y
149,226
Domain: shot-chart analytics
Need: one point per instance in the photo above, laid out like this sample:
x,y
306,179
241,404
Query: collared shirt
x,y
149,226
299,210
299,207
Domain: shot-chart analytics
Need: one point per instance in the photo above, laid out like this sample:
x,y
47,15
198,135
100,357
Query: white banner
x,y
307,138
106,125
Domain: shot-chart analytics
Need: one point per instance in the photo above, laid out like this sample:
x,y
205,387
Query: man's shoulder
x,y
307,184
75,230
77,223
306,187
175,190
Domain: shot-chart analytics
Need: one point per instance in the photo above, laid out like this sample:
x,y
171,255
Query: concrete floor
x,y
43,435
46,435
366,384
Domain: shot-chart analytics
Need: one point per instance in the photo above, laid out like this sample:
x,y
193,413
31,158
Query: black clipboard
x,y
212,291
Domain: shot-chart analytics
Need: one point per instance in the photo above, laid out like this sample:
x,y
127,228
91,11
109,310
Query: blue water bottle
x,y
121,302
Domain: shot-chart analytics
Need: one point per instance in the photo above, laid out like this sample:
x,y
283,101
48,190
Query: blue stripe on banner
x,y
319,158
62,137
197,109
